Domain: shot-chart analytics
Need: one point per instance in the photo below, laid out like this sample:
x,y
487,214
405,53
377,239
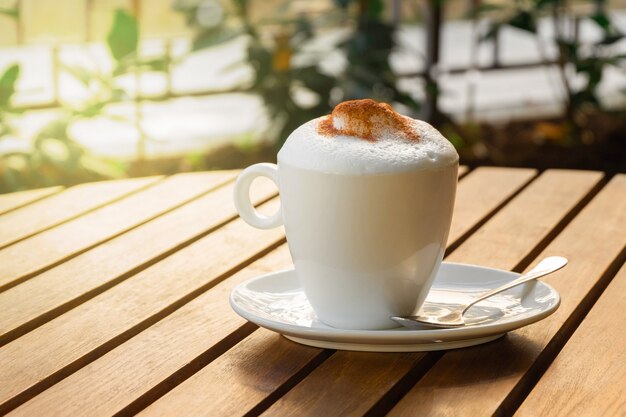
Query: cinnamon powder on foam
x,y
367,120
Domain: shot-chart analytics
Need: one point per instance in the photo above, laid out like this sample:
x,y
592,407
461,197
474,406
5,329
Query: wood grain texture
x,y
161,340
37,253
481,381
107,385
259,358
52,292
19,199
587,377
348,382
537,210
116,389
64,206
60,347
541,197
483,191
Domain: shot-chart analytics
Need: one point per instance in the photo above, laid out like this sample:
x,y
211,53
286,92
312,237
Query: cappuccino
x,y
367,197
359,138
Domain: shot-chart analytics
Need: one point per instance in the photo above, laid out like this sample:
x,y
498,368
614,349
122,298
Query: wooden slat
x,y
587,377
348,382
58,289
483,191
109,384
42,215
63,345
536,210
105,380
259,359
489,379
19,199
37,253
548,198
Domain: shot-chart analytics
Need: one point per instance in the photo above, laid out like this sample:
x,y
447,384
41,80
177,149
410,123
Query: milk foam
x,y
306,148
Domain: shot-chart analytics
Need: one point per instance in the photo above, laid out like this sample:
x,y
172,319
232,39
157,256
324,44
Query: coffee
x,y
367,198
391,143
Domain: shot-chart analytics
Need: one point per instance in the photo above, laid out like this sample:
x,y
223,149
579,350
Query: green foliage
x,y
13,13
7,88
7,84
123,37
55,157
278,81
368,49
588,59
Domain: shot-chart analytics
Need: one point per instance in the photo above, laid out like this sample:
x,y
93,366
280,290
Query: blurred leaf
x,y
214,36
569,50
91,109
5,129
593,68
373,8
160,64
304,29
261,61
540,4
81,74
492,32
616,59
610,39
611,33
242,6
343,3
602,20
123,38
7,84
313,79
55,129
119,94
483,8
13,13
407,100
102,167
581,97
524,20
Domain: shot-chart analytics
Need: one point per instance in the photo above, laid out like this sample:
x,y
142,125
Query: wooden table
x,y
114,300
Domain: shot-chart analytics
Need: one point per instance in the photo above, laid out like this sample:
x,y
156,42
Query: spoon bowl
x,y
455,318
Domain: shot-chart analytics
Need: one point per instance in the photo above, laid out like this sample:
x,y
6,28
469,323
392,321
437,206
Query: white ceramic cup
x,y
365,247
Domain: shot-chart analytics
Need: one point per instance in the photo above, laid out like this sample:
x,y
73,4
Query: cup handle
x,y
241,196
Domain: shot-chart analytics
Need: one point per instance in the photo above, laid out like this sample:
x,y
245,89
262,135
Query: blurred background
x,y
101,89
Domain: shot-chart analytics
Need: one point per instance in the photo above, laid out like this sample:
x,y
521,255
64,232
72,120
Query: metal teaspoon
x,y
455,318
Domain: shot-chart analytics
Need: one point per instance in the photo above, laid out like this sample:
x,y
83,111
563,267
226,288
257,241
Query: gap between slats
x,y
458,242
423,365
600,280
521,390
55,312
126,335
403,386
74,254
431,358
82,213
164,387
55,190
45,383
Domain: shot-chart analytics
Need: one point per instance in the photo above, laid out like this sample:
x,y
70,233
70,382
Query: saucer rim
x,y
394,347
397,335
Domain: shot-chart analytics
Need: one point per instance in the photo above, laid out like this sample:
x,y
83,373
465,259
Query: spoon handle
x,y
544,267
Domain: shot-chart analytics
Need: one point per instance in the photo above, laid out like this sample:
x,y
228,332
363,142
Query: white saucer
x,y
277,302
